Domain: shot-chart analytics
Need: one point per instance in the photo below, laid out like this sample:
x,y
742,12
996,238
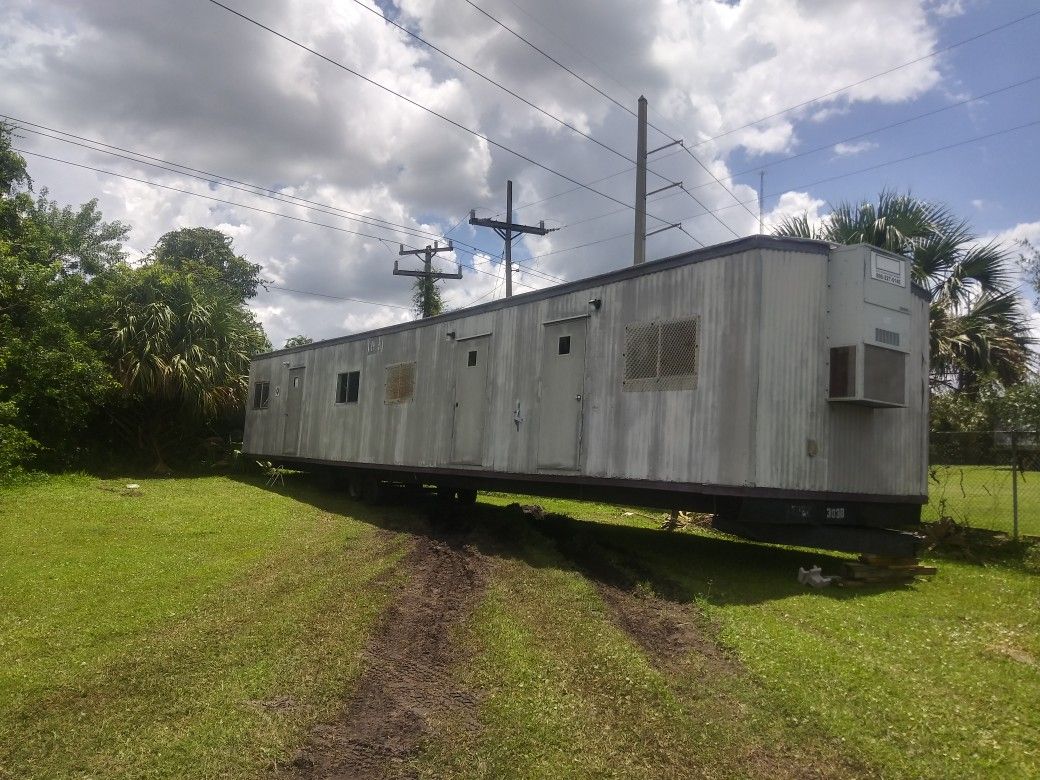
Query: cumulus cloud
x,y
192,84
858,147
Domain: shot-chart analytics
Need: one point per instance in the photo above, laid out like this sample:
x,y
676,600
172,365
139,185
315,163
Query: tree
x,y
426,297
297,341
52,377
180,350
193,249
979,330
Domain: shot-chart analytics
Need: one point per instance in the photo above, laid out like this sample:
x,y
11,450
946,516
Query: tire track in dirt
x,y
408,677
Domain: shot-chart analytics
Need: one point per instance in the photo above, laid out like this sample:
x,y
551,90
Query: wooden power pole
x,y
509,230
428,275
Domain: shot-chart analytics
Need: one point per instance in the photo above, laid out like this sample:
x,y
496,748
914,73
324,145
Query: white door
x,y
293,411
561,399
471,374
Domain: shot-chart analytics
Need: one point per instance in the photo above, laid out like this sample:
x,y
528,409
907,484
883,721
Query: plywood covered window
x,y
400,383
261,395
661,355
347,386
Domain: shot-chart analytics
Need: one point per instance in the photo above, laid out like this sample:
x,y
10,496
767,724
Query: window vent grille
x,y
400,383
661,355
889,337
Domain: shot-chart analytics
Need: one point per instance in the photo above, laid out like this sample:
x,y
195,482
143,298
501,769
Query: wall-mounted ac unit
x,y
868,326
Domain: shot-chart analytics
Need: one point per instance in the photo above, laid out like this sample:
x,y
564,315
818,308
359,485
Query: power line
x,y
552,59
230,203
847,87
876,130
219,180
222,181
335,297
804,186
491,81
420,106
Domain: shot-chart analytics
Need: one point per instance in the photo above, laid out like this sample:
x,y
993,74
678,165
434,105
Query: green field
x,y
982,497
202,627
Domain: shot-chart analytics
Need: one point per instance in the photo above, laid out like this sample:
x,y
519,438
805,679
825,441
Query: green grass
x,y
199,629
982,497
193,630
938,679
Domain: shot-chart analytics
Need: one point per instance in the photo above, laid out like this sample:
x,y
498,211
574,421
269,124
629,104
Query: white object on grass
x,y
815,577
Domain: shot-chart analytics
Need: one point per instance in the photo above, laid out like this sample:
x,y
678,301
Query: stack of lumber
x,y
879,568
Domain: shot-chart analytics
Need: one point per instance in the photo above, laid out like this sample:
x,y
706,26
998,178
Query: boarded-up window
x,y
661,355
261,395
400,383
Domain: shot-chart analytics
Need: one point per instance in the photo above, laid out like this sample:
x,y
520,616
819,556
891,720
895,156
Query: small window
x,y
261,395
347,386
471,359
565,345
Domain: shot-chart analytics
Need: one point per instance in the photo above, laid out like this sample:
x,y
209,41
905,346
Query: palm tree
x,y
180,351
979,330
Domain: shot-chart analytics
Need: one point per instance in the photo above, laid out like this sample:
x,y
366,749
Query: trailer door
x,y
471,373
293,410
562,391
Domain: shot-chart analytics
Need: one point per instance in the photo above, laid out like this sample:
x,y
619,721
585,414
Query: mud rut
x,y
408,674
409,664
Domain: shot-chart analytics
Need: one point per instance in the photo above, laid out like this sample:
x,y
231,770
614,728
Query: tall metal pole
x,y
639,249
761,199
509,239
1014,484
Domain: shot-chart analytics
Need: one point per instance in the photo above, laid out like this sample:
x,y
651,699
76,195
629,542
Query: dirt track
x,y
408,670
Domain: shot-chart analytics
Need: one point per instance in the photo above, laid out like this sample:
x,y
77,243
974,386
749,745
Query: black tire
x,y
466,496
356,486
445,493
372,490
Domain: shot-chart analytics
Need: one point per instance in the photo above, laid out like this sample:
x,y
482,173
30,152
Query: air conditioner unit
x,y
868,326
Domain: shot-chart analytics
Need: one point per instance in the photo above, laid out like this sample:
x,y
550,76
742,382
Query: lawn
x,y
201,627
982,497
192,628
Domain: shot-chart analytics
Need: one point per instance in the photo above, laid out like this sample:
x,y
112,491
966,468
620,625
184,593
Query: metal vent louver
x,y
400,383
889,337
661,355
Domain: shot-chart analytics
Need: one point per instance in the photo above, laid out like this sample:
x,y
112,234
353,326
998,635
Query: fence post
x,y
1014,483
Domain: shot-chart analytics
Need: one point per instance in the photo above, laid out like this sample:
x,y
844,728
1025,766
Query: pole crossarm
x,y
666,187
511,227
509,231
666,146
427,253
431,274
661,230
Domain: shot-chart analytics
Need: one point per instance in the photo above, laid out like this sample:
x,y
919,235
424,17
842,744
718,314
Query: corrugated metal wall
x,y
757,414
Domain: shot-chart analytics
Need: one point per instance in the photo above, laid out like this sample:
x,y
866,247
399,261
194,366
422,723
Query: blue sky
x,y
188,82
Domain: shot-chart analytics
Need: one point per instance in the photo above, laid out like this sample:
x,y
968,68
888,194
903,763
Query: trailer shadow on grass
x,y
681,566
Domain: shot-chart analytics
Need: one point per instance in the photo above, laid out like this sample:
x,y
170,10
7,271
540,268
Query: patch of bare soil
x,y
668,632
678,640
408,676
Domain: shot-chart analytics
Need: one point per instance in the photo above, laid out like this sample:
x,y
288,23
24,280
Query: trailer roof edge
x,y
712,252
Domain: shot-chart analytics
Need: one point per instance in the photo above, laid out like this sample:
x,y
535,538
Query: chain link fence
x,y
985,479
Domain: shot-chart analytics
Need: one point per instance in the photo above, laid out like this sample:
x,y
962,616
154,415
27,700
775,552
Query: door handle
x,y
577,397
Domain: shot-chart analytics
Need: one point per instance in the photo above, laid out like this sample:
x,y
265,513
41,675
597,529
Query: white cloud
x,y
794,204
191,83
848,150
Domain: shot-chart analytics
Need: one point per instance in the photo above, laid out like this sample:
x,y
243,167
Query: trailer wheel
x,y
445,493
372,490
466,496
356,486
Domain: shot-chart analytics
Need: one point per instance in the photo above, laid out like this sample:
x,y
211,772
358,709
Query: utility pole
x,y
639,233
428,275
508,231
